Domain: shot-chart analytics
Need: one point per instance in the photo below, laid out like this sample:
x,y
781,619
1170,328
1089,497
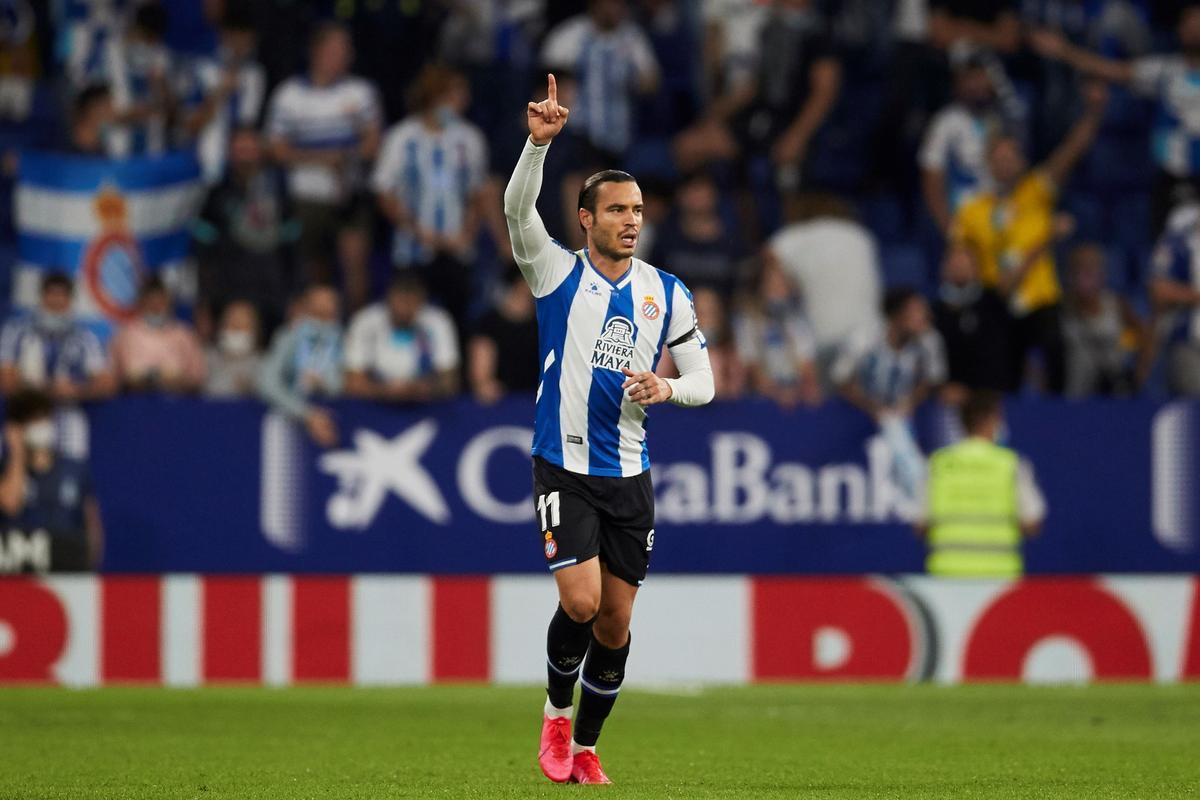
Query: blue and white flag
x,y
108,224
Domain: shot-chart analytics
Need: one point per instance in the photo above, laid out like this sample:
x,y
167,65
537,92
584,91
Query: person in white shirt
x,y
887,372
224,92
430,185
953,155
612,61
324,127
834,263
402,349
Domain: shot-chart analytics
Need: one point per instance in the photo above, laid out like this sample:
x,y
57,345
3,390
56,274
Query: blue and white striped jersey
x,y
589,329
434,174
332,117
1175,85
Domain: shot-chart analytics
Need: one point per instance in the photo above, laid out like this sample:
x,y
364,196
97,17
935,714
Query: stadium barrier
x,y
742,488
184,630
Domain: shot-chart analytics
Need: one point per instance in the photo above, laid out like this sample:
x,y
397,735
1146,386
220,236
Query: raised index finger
x,y
552,91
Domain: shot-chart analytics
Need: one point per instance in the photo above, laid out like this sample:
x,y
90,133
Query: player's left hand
x,y
645,388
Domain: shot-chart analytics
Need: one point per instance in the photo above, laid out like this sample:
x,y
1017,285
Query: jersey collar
x,y
618,284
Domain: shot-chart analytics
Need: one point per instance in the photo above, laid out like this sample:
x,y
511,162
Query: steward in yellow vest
x,y
981,502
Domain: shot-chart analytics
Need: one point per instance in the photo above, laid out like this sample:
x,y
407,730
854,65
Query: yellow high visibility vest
x,y
973,527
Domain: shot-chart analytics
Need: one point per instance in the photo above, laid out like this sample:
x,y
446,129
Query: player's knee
x,y
580,606
612,627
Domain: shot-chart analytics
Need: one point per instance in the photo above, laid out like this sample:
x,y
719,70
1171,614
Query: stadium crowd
x,y
881,199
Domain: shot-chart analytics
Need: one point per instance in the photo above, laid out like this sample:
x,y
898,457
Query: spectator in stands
x,y
1171,80
244,233
610,61
834,263
324,127
888,373
138,69
775,343
157,352
976,327
1011,231
796,85
696,243
953,153
1103,332
502,356
403,349
305,363
731,377
224,92
234,361
44,490
1175,277
92,116
992,24
51,350
429,182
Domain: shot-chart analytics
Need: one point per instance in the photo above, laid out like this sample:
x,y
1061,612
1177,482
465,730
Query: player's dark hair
x,y
152,19
896,299
27,405
406,281
980,406
57,280
591,187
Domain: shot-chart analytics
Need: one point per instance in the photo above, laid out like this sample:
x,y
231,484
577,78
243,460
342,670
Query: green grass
x,y
478,742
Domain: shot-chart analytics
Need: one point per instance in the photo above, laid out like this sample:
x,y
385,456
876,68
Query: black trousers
x,y
1041,330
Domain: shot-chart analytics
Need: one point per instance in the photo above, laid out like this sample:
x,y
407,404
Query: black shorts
x,y
584,516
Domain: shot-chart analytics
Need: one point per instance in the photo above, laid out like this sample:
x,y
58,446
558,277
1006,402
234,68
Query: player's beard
x,y
611,248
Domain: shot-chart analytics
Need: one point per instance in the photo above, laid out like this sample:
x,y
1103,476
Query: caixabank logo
x,y
738,481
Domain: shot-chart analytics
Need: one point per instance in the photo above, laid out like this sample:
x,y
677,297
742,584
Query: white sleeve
x,y
689,351
387,166
444,341
1148,74
357,355
370,112
1031,506
935,147
544,262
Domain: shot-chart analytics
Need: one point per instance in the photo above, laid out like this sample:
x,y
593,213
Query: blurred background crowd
x,y
878,199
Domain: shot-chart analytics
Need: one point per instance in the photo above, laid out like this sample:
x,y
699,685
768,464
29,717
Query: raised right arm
x,y
543,262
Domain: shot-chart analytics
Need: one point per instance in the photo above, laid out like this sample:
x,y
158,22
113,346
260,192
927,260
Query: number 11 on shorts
x,y
549,502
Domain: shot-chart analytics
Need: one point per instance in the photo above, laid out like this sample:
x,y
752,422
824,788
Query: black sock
x,y
566,644
603,672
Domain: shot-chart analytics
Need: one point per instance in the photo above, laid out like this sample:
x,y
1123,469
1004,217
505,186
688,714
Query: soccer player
x,y
603,320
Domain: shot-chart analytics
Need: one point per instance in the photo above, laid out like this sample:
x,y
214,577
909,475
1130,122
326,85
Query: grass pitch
x,y
479,742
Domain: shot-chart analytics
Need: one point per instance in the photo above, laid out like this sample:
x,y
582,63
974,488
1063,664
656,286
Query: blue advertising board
x,y
189,485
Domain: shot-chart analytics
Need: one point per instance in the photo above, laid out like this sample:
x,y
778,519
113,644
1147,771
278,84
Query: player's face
x,y
615,226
